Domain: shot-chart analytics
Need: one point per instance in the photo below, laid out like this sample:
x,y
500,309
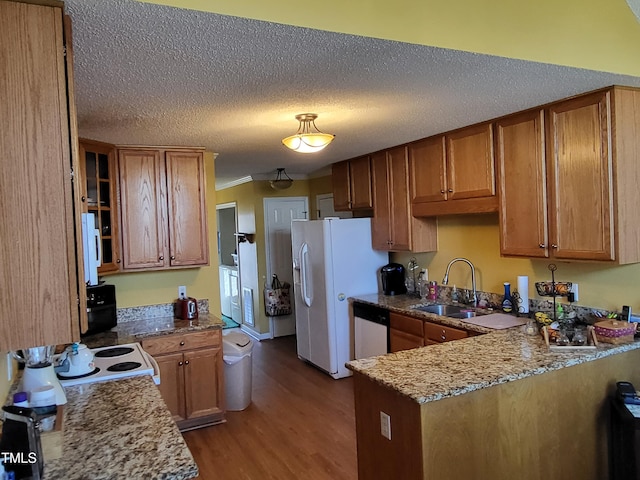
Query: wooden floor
x,y
300,424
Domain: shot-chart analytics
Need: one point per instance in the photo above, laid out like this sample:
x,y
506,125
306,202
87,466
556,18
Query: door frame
x,y
267,247
225,206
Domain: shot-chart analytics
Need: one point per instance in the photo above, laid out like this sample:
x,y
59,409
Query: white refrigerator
x,y
332,261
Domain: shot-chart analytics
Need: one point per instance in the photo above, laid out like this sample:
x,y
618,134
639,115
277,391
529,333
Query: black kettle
x,y
392,276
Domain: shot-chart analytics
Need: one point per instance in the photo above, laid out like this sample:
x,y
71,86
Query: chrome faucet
x,y
445,280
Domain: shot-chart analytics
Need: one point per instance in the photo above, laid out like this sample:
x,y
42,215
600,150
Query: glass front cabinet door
x,y
98,161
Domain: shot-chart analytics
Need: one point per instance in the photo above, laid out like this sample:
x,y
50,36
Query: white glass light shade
x,y
308,139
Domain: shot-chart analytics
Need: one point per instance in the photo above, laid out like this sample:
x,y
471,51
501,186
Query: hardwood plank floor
x,y
300,424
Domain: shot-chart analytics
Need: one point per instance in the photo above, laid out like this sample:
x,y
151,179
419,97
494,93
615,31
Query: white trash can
x,y
236,352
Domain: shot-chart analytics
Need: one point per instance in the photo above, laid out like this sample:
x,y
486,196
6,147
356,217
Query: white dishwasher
x,y
371,330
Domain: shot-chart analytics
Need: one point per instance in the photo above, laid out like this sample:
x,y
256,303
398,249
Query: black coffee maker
x,y
392,276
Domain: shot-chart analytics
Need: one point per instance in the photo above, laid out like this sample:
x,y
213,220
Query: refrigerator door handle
x,y
304,256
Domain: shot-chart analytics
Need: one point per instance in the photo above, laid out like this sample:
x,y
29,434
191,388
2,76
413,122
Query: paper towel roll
x,y
523,291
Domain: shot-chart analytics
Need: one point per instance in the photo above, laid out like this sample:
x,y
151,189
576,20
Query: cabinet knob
x,y
180,364
172,257
441,191
161,257
118,261
450,190
542,245
554,245
83,198
182,344
186,362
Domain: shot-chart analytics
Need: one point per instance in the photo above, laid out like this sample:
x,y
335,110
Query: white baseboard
x,y
252,333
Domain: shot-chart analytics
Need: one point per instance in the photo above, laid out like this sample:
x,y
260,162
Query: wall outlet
x,y
574,290
385,425
182,291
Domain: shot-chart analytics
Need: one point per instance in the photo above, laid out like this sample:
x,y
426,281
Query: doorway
x,y
278,213
324,207
228,261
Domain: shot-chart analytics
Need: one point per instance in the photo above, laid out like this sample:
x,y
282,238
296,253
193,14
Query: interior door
x,y
324,208
279,212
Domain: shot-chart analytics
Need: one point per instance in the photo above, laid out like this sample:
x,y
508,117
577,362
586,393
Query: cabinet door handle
x,y
450,190
118,261
441,191
83,198
180,363
554,246
542,245
172,257
186,362
182,343
161,257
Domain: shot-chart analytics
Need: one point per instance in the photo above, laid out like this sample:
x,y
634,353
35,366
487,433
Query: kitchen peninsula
x,y
492,406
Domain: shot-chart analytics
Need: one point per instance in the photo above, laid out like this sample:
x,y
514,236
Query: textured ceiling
x,y
150,74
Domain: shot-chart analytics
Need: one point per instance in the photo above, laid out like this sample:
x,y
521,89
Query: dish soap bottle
x,y
507,303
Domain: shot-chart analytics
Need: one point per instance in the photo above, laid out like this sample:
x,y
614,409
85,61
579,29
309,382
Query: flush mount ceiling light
x,y
281,183
308,139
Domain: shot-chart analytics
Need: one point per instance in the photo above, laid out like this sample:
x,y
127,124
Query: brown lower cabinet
x,y
436,333
405,332
191,376
548,426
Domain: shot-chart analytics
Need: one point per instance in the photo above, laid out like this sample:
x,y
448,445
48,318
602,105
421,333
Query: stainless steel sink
x,y
441,309
465,314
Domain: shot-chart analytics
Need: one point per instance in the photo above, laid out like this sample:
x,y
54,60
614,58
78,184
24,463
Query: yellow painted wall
x,y
593,34
318,186
476,237
249,199
150,288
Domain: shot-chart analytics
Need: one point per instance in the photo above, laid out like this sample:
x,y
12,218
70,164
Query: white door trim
x,y
267,246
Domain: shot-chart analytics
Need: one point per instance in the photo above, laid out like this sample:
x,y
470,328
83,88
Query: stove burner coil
x,y
113,352
124,366
92,372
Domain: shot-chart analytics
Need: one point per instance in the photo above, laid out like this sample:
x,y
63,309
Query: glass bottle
x,y
507,302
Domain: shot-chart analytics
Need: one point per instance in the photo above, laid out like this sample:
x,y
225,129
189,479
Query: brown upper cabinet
x,y
393,227
98,167
522,185
163,208
454,173
352,184
41,287
569,188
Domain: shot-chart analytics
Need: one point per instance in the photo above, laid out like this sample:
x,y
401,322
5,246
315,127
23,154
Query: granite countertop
x,y
120,429
135,330
453,368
